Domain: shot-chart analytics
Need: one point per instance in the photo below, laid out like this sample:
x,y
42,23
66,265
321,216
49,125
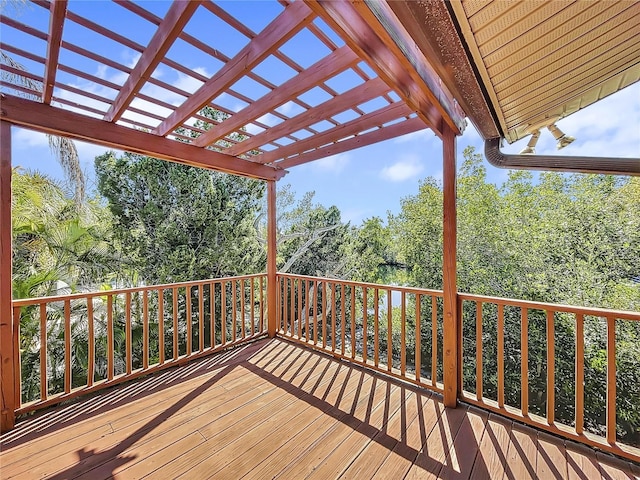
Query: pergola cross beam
x,y
286,25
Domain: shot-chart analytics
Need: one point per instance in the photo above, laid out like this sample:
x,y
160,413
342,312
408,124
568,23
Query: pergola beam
x,y
392,131
355,23
48,119
286,25
56,22
352,98
354,127
171,27
329,66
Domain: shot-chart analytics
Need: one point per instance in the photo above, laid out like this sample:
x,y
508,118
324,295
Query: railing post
x,y
271,259
7,370
450,320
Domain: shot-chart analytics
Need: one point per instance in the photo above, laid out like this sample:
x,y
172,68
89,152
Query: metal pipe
x,y
605,165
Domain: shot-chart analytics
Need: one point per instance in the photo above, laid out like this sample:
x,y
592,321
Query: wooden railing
x,y
395,330
529,361
537,358
73,344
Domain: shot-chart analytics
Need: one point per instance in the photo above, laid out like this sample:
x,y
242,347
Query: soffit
x,y
541,61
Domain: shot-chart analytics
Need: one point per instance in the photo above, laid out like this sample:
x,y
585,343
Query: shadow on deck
x,y
274,409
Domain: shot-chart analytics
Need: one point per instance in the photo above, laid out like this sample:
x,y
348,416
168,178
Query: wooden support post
x,y
272,318
450,321
7,369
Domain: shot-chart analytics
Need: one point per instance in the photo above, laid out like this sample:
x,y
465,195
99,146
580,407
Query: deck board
x,y
274,409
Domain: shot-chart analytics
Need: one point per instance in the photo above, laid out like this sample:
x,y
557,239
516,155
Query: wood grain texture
x,y
449,286
276,409
7,384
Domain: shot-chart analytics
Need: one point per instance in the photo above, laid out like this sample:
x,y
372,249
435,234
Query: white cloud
x,y
332,164
29,138
610,127
408,167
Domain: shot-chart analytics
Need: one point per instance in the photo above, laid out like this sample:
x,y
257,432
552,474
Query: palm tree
x,y
63,148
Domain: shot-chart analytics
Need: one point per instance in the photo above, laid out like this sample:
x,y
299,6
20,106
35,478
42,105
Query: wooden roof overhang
x,y
281,107
518,66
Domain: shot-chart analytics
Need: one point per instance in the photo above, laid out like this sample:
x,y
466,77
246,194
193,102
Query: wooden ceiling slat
x,y
293,19
356,96
361,124
176,18
57,121
369,138
56,22
328,67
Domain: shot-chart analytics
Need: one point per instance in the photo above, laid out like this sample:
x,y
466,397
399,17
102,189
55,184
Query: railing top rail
x,y
23,302
593,311
399,288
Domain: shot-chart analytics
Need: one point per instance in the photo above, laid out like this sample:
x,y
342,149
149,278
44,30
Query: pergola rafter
x,y
177,17
255,130
58,11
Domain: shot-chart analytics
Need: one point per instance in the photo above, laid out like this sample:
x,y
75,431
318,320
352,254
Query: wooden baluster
x,y
300,308
434,340
243,331
403,333
44,383
252,303
376,327
334,317
110,353
343,318
353,321
325,304
161,326
17,365
262,305
223,312
212,314
234,312
365,319
418,334
524,361
611,380
579,373
68,373
479,346
307,307
145,329
175,322
201,317
316,292
127,332
188,318
550,367
91,360
291,328
389,330
500,355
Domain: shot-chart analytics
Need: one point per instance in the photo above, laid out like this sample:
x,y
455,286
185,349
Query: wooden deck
x,y
273,409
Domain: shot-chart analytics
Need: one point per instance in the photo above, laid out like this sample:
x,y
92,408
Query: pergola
x,y
377,70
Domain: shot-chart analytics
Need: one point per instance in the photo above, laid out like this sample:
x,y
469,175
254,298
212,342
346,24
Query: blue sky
x,y
361,183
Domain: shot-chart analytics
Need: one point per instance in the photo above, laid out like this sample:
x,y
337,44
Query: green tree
x,y
180,223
